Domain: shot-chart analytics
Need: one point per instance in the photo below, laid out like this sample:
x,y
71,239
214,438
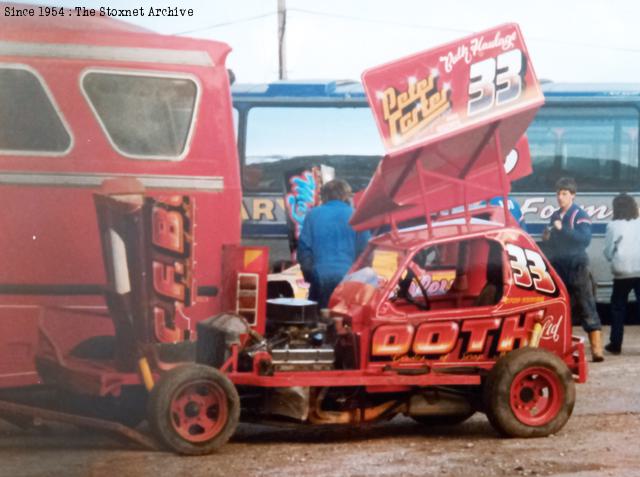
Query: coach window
x,y
284,139
145,117
29,121
598,146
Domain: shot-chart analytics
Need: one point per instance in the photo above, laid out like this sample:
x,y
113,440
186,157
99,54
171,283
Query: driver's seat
x,y
492,290
488,295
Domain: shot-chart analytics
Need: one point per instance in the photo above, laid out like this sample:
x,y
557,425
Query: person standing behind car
x,y
568,236
514,208
328,245
621,249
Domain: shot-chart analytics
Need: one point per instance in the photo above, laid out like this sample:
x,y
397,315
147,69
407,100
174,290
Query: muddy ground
x,y
601,439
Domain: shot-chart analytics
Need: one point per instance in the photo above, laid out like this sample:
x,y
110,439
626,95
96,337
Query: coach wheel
x,y
444,419
529,393
193,409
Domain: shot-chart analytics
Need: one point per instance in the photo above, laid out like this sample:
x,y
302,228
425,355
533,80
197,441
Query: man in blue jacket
x,y
328,245
568,236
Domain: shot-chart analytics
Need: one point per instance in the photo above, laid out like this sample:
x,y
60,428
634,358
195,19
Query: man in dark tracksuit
x,y
568,236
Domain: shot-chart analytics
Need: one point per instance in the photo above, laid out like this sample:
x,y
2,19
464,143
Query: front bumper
x,y
576,359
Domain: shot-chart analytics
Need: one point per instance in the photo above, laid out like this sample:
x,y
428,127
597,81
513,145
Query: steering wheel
x,y
412,276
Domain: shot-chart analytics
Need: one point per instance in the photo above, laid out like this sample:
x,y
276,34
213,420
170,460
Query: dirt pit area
x,y
602,438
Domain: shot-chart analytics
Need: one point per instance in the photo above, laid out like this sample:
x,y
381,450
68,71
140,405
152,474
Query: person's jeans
x,y
583,302
322,287
619,297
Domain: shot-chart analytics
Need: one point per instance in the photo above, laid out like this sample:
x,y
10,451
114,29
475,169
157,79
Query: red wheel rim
x,y
536,396
199,411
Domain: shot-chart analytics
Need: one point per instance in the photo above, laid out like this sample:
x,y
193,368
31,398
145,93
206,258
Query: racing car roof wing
x,y
450,118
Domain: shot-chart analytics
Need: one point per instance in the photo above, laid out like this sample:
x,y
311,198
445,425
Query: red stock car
x,y
436,322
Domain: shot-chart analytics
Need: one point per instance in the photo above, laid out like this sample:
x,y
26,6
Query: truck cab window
x,y
30,121
144,117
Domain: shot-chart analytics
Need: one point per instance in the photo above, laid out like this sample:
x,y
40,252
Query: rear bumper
x,y
576,359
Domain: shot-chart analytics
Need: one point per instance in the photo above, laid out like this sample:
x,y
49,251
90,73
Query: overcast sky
x,y
568,40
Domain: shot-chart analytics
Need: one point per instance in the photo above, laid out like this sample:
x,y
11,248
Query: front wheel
x,y
529,393
193,409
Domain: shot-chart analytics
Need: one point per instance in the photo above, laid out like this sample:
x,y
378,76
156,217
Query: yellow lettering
x,y
263,207
410,111
388,103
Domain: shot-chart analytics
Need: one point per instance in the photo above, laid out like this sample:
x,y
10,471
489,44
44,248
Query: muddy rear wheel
x,y
529,393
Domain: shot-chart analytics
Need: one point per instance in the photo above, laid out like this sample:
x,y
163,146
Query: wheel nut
x,y
192,409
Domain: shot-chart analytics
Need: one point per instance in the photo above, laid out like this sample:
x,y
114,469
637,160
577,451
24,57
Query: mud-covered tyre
x,y
529,393
193,409
443,420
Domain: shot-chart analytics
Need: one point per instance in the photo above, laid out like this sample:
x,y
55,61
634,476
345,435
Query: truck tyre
x,y
444,419
193,409
529,393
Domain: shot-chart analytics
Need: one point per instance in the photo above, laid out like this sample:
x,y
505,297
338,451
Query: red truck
x,y
85,99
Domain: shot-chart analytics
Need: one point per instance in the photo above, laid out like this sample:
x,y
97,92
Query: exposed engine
x,y
295,337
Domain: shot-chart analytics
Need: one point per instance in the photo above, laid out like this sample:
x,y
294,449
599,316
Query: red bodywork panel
x,y
147,248
457,330
244,278
49,246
